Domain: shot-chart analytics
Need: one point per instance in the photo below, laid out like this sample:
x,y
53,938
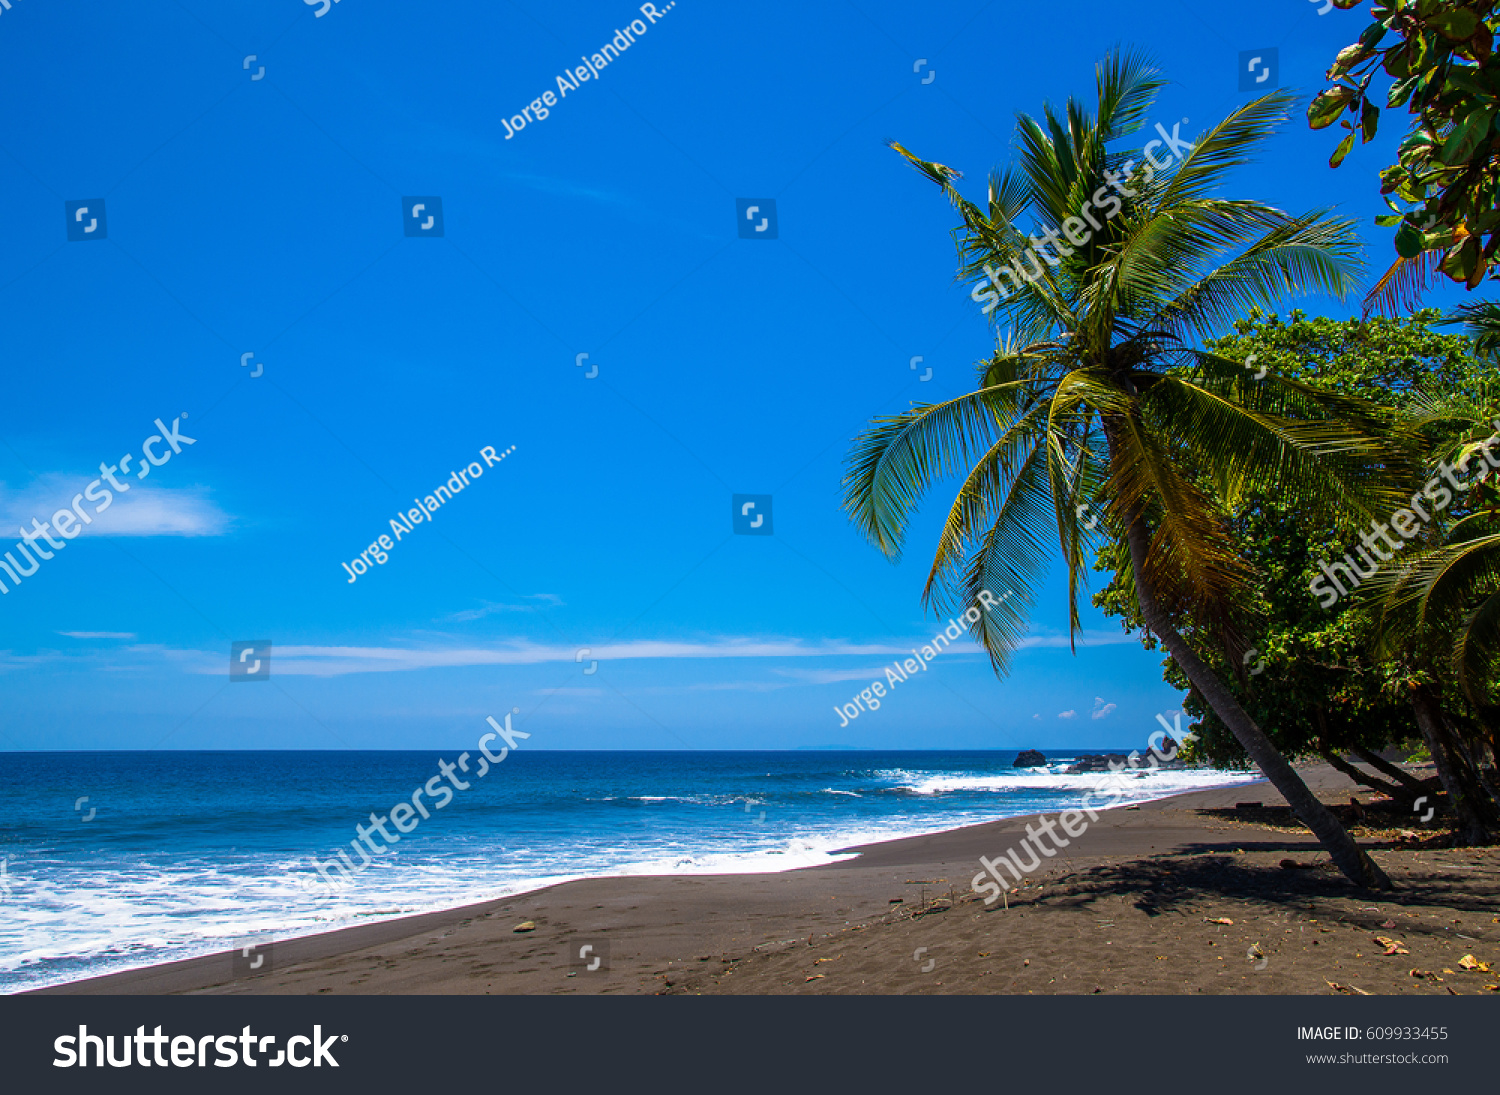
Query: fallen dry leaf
x,y
814,977
1219,920
1336,987
525,926
1469,962
1420,973
1392,946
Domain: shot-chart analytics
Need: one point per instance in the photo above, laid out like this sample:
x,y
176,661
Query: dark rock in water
x,y
1121,762
1030,758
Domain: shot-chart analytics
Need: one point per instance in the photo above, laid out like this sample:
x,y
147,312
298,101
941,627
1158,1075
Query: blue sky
x,y
265,216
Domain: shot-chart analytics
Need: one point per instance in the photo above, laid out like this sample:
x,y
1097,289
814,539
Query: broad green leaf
x,y
1408,241
1457,25
1465,136
1348,57
1342,150
1326,108
1400,90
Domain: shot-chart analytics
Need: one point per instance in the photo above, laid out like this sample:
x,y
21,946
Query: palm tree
x,y
1445,600
1095,413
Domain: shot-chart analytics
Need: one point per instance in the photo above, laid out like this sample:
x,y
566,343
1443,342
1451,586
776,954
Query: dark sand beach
x,y
1190,894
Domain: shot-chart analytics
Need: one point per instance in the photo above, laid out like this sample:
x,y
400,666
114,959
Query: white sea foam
x,y
65,920
1136,785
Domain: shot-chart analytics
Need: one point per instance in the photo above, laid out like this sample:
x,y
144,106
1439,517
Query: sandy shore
x,y
1136,905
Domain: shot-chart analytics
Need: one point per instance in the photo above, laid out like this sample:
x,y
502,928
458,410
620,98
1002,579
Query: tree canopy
x,y
1438,62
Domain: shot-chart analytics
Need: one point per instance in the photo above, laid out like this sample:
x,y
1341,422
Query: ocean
x,y
112,861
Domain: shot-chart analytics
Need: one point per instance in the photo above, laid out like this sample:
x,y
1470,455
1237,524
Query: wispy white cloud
x,y
490,608
831,676
145,510
423,651
1101,709
335,661
9,660
1066,714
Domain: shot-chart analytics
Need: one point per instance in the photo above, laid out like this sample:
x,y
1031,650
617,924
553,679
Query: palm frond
x,y
1226,146
1401,288
982,496
1480,320
1126,83
1476,652
895,461
1191,560
1009,562
1303,254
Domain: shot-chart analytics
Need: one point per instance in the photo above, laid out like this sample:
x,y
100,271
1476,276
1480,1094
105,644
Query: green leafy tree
x,y
1097,403
1438,62
1324,680
1444,601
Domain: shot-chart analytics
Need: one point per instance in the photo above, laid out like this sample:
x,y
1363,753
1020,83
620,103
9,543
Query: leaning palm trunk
x,y
1462,800
1413,785
1395,792
1350,859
